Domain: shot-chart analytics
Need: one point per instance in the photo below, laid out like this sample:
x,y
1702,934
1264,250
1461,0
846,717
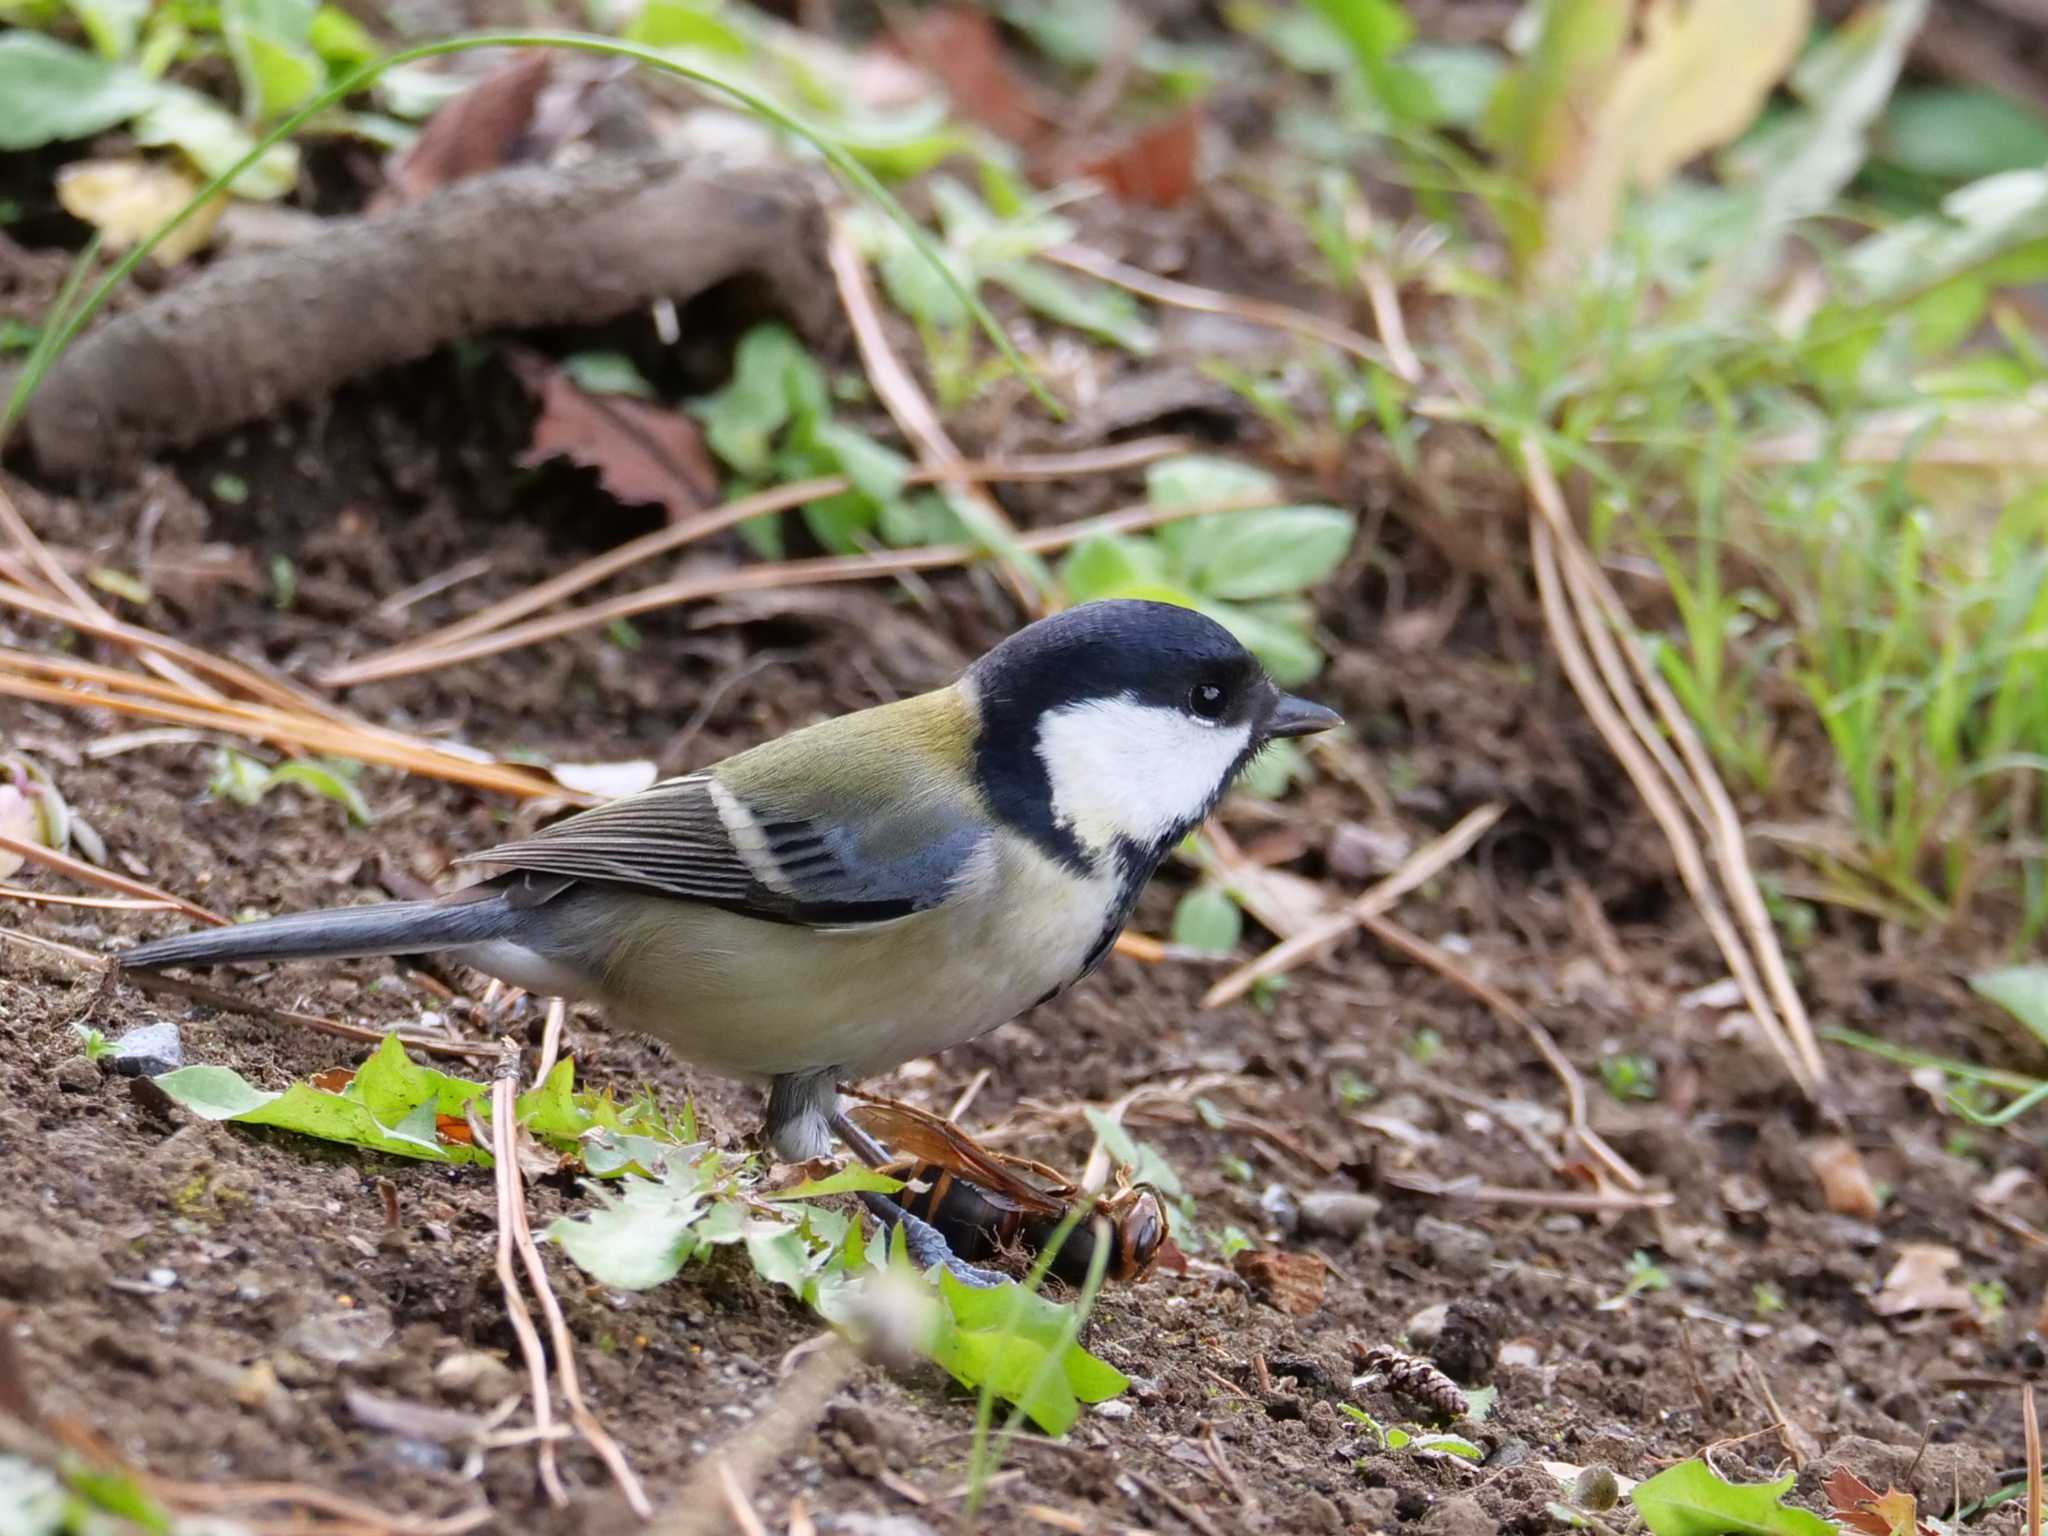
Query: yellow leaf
x,y
128,200
1699,78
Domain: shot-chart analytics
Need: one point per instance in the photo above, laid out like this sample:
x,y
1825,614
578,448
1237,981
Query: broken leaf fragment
x,y
128,200
1691,1499
1919,1281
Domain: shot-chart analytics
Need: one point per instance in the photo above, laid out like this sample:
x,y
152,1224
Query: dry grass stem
x,y
913,413
1582,610
822,571
104,903
722,1482
1109,459
551,1039
228,1002
2030,1423
1385,300
1416,871
505,1158
91,874
1167,290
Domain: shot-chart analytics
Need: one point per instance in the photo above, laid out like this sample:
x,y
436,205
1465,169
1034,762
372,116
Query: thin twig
x,y
704,1504
1211,301
2030,1422
1417,870
1445,965
1051,466
766,577
91,874
551,1039
1479,1192
913,414
505,1158
104,903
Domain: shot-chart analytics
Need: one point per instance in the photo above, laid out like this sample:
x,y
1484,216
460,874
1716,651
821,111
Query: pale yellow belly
x,y
755,999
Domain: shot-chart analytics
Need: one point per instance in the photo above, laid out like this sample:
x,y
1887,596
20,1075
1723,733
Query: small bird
x,y
863,891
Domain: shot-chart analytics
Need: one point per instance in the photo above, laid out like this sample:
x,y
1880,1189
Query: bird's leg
x,y
804,1113
926,1243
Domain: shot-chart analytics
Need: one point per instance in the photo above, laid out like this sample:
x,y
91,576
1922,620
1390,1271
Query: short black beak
x,y
1291,716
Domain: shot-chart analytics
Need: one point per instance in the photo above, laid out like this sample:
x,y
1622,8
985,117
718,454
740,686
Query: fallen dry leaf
x,y
1155,167
1844,1182
643,453
1919,1282
1288,1282
479,130
1697,80
332,1079
961,48
1862,1508
128,200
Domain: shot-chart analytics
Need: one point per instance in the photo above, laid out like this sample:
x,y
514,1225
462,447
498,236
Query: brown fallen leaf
x,y
1862,1508
479,130
1288,1282
1156,166
643,453
1844,1182
1919,1282
332,1079
961,48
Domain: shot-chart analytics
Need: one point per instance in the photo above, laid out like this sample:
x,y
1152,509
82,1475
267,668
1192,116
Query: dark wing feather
x,y
671,839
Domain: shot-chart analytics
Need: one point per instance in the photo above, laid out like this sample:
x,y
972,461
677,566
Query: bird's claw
x,y
928,1247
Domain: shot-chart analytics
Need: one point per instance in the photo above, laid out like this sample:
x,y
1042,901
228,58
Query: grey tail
x,y
387,928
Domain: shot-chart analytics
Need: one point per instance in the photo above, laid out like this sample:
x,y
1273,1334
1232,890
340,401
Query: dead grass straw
x,y
613,562
914,415
1584,614
1428,861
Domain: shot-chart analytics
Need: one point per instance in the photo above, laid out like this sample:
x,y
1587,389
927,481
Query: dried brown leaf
x,y
1156,166
1862,1508
1288,1282
960,47
127,200
1919,1282
1845,1184
643,453
479,130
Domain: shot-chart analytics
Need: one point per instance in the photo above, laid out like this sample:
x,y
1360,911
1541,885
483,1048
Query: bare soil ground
x,y
216,1300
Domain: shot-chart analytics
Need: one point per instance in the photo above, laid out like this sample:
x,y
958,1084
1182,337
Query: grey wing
x,y
693,838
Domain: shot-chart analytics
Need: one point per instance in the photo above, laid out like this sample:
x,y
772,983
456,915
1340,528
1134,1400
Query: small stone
x,y
163,1279
75,1074
1340,1213
1454,1249
341,1337
1115,1408
476,1376
1373,1509
1469,1341
1595,1488
1422,1328
1510,1453
38,1263
1278,1202
149,1050
1460,1517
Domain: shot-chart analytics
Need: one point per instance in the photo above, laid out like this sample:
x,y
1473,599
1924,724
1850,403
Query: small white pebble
x,y
162,1279
1115,1408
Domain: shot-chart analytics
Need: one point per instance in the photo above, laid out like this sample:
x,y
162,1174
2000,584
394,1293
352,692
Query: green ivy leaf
x,y
50,92
1690,1499
1208,920
1111,565
742,420
640,1233
1270,554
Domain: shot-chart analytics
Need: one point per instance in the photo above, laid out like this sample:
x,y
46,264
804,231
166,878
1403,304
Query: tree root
x,y
523,247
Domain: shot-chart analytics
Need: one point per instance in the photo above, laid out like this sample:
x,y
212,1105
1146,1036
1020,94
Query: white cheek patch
x,y
1119,768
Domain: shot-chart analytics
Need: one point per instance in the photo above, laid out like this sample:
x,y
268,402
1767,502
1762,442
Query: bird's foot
x,y
928,1247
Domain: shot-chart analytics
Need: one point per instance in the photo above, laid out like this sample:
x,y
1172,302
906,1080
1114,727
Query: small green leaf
x,y
1690,1499
210,137
1276,633
340,39
1193,478
1208,920
640,1233
325,780
686,24
742,419
1961,133
847,1181
1095,308
1246,555
1111,565
112,25
2022,991
1449,1445
50,92
607,373
269,41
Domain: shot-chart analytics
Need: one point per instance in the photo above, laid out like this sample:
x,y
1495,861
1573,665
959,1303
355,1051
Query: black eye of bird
x,y
1206,700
